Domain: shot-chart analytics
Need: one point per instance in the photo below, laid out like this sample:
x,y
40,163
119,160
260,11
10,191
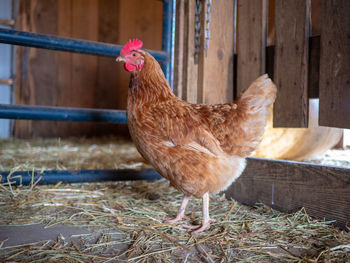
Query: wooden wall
x,y
54,78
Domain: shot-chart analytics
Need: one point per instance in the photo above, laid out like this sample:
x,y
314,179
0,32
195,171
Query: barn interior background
x,y
303,45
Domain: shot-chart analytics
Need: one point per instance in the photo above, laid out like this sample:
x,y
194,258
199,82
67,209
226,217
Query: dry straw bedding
x,y
125,218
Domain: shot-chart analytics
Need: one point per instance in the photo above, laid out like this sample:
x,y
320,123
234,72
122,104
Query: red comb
x,y
132,44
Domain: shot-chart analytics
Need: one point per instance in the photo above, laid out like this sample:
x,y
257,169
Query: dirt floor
x,y
123,221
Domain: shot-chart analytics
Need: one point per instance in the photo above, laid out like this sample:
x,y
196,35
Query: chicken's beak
x,y
120,59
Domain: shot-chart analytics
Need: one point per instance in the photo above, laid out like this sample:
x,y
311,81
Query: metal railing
x,y
15,37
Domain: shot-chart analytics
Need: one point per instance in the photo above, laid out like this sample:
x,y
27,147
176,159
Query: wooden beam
x,y
323,191
215,66
335,64
180,32
185,66
35,83
292,24
251,41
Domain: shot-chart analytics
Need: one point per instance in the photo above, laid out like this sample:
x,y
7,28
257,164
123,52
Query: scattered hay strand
x,y
125,222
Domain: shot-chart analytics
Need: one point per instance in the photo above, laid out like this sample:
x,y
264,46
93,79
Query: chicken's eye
x,y
133,54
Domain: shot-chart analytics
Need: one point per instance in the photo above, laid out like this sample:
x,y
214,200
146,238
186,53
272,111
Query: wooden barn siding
x,y
335,64
253,58
288,186
292,25
210,79
219,56
251,43
65,79
185,66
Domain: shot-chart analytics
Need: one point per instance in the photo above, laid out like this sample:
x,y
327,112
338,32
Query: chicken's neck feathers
x,y
149,85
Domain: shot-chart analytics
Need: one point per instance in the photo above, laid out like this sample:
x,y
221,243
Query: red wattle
x,y
129,67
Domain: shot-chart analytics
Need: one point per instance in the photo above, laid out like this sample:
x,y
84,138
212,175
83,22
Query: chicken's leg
x,y
206,219
181,212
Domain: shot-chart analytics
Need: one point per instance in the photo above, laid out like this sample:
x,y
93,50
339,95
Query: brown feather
x,y
198,148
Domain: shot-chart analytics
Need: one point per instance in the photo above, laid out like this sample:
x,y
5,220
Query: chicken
x,y
200,149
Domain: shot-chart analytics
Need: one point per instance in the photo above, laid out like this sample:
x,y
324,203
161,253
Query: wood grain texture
x,y
55,78
178,81
107,91
215,67
288,186
314,65
65,65
292,25
187,83
335,64
142,20
34,79
251,41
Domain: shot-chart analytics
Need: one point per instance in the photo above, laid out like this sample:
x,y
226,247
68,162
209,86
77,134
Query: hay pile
x,y
73,153
125,218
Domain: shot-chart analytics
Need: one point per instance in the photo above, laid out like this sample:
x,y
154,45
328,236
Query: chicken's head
x,y
132,55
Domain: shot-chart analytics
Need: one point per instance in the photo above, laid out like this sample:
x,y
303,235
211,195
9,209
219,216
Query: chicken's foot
x,y
206,219
181,213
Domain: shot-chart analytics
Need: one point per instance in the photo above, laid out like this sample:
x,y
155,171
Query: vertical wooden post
x,y
335,64
251,41
292,23
215,66
178,80
36,16
186,68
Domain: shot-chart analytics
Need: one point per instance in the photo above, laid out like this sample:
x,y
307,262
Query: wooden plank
x,y
185,66
64,63
190,74
292,24
288,186
215,69
314,65
106,91
84,68
179,48
335,64
144,23
251,41
37,83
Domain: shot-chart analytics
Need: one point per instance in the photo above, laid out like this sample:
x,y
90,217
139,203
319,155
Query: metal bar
x,y
22,38
168,37
61,114
75,176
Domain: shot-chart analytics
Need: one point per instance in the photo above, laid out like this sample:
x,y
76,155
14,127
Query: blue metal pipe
x,y
76,176
168,37
61,114
22,38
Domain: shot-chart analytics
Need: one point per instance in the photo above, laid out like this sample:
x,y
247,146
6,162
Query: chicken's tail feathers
x,y
260,94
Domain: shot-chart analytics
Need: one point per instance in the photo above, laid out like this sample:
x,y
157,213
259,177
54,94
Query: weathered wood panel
x,y
108,83
178,81
34,79
185,66
64,70
335,64
142,20
64,79
292,25
215,69
288,186
251,41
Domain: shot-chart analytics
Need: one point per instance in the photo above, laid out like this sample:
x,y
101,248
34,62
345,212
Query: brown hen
x,y
199,148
